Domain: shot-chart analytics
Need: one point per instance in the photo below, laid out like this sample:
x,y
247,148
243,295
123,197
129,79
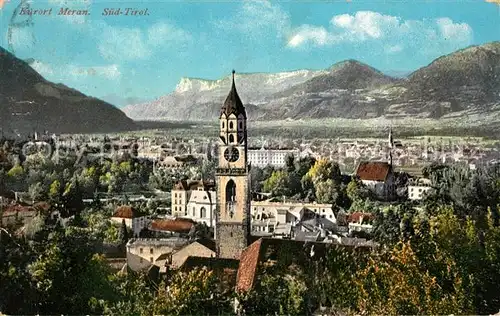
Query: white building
x,y
201,206
278,218
263,157
418,189
134,220
195,200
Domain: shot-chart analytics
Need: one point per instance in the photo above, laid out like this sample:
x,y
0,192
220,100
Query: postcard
x,y
249,157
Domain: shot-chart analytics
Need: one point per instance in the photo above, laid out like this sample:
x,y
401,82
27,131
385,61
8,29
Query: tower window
x,y
231,234
231,138
240,124
223,124
230,125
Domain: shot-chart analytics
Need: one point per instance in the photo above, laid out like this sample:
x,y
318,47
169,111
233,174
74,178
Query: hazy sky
x,y
145,56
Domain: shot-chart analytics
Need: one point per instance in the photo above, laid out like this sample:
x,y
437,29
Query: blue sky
x,y
132,57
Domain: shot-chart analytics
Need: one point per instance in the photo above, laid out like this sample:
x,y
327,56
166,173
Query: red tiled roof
x,y
125,211
356,216
373,171
19,208
247,270
178,225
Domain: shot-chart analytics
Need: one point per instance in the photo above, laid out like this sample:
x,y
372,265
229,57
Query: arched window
x,y
222,124
231,138
240,124
230,191
194,211
230,198
230,125
203,212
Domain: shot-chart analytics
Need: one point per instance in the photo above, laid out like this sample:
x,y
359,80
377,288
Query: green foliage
x,y
123,235
276,293
16,172
357,191
277,184
198,292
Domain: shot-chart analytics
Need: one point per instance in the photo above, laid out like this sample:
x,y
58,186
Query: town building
x,y
275,157
168,227
143,252
189,197
177,162
134,220
378,176
418,188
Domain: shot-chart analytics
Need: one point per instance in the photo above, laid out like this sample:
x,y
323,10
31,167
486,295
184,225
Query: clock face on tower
x,y
231,154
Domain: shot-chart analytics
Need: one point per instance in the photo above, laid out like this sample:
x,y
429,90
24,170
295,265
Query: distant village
x,y
218,217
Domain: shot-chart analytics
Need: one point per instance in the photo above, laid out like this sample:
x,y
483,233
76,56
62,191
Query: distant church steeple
x,y
391,140
391,145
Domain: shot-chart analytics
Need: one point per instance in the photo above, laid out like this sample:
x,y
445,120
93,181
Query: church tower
x,y
232,229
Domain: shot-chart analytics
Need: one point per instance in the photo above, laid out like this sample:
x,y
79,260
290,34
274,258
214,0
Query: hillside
x,y
28,102
462,83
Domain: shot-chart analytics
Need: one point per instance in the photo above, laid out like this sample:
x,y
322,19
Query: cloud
x,y
311,34
109,72
393,33
258,18
493,1
124,43
74,72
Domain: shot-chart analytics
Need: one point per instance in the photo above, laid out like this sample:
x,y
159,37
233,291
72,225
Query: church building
x,y
233,219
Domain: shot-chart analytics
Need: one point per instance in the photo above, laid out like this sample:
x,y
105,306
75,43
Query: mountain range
x,y
461,83
30,103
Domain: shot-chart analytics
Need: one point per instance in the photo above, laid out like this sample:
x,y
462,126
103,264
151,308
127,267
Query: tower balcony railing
x,y
236,171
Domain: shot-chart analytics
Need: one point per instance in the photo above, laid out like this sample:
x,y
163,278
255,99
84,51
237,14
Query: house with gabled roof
x,y
205,196
378,176
134,219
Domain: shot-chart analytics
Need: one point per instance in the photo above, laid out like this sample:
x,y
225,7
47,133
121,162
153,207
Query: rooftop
x,y
174,241
373,170
233,104
178,225
126,211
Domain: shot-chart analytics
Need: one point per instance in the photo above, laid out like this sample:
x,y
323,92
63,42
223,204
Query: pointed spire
x,y
391,140
233,104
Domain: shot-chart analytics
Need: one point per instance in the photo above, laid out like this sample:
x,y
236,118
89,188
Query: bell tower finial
x,y
233,75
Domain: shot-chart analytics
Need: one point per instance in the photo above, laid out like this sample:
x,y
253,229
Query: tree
x,y
36,192
277,184
323,170
276,293
394,284
123,236
356,190
289,163
66,273
256,178
198,292
326,191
